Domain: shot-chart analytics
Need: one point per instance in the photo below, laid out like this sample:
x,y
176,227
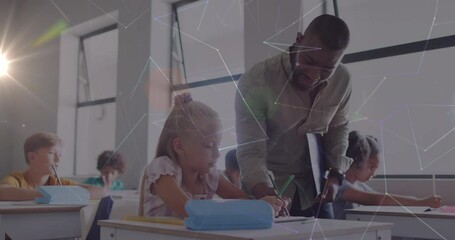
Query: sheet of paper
x,y
292,219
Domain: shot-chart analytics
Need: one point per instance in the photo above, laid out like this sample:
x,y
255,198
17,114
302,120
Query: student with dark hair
x,y
110,164
232,171
281,100
354,192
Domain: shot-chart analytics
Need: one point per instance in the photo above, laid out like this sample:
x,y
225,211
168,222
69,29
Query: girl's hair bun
x,y
182,99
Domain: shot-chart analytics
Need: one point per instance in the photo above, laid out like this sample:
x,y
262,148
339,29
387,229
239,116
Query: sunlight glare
x,y
3,65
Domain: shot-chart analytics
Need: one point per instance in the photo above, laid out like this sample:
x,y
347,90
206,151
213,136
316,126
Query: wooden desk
x,y
310,229
408,221
32,221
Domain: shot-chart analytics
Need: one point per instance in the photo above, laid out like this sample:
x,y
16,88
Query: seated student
x,y
232,172
110,165
42,153
184,167
353,191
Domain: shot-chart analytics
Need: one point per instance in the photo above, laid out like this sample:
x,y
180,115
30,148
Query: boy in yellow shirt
x,y
42,153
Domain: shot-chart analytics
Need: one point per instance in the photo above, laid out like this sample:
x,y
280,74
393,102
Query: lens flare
x,y
53,32
3,65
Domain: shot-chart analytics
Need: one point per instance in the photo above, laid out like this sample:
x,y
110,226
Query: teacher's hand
x,y
263,189
330,190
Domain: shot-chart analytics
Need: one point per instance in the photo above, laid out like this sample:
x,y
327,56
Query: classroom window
x,y
96,93
412,109
207,39
207,57
401,92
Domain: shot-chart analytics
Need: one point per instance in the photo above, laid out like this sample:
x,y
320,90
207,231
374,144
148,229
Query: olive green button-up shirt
x,y
273,117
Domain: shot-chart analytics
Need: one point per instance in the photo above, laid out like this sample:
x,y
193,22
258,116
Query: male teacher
x,y
280,101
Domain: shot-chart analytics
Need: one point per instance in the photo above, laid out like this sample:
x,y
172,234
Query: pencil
x,y
286,184
55,173
282,190
273,183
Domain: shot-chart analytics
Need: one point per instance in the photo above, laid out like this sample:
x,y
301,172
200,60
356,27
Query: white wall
x,y
5,128
132,110
159,72
36,72
7,22
35,106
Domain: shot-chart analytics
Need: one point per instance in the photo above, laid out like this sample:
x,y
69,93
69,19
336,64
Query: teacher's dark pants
x,y
317,210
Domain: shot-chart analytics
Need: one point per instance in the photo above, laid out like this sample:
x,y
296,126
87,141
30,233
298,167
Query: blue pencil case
x,y
228,214
62,195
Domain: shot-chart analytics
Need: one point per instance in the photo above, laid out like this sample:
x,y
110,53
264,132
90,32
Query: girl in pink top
x,y
184,167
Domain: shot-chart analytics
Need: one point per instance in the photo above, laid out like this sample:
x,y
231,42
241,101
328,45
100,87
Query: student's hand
x,y
433,201
276,203
107,180
263,189
284,212
330,189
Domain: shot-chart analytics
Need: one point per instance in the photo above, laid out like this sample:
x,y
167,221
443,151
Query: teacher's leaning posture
x,y
280,102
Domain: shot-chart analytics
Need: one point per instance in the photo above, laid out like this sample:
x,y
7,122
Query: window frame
x,y
98,102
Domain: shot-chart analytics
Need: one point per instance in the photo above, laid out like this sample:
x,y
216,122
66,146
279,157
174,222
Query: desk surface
x,y
412,222
31,207
314,228
122,194
40,221
401,211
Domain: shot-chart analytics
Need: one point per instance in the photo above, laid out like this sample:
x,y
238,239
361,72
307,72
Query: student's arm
x,y
228,190
8,193
367,198
172,195
95,192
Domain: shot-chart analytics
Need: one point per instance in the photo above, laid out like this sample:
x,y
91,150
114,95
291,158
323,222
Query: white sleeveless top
x,y
153,205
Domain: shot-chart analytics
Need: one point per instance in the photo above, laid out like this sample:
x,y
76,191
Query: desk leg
x,y
2,229
384,235
107,233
